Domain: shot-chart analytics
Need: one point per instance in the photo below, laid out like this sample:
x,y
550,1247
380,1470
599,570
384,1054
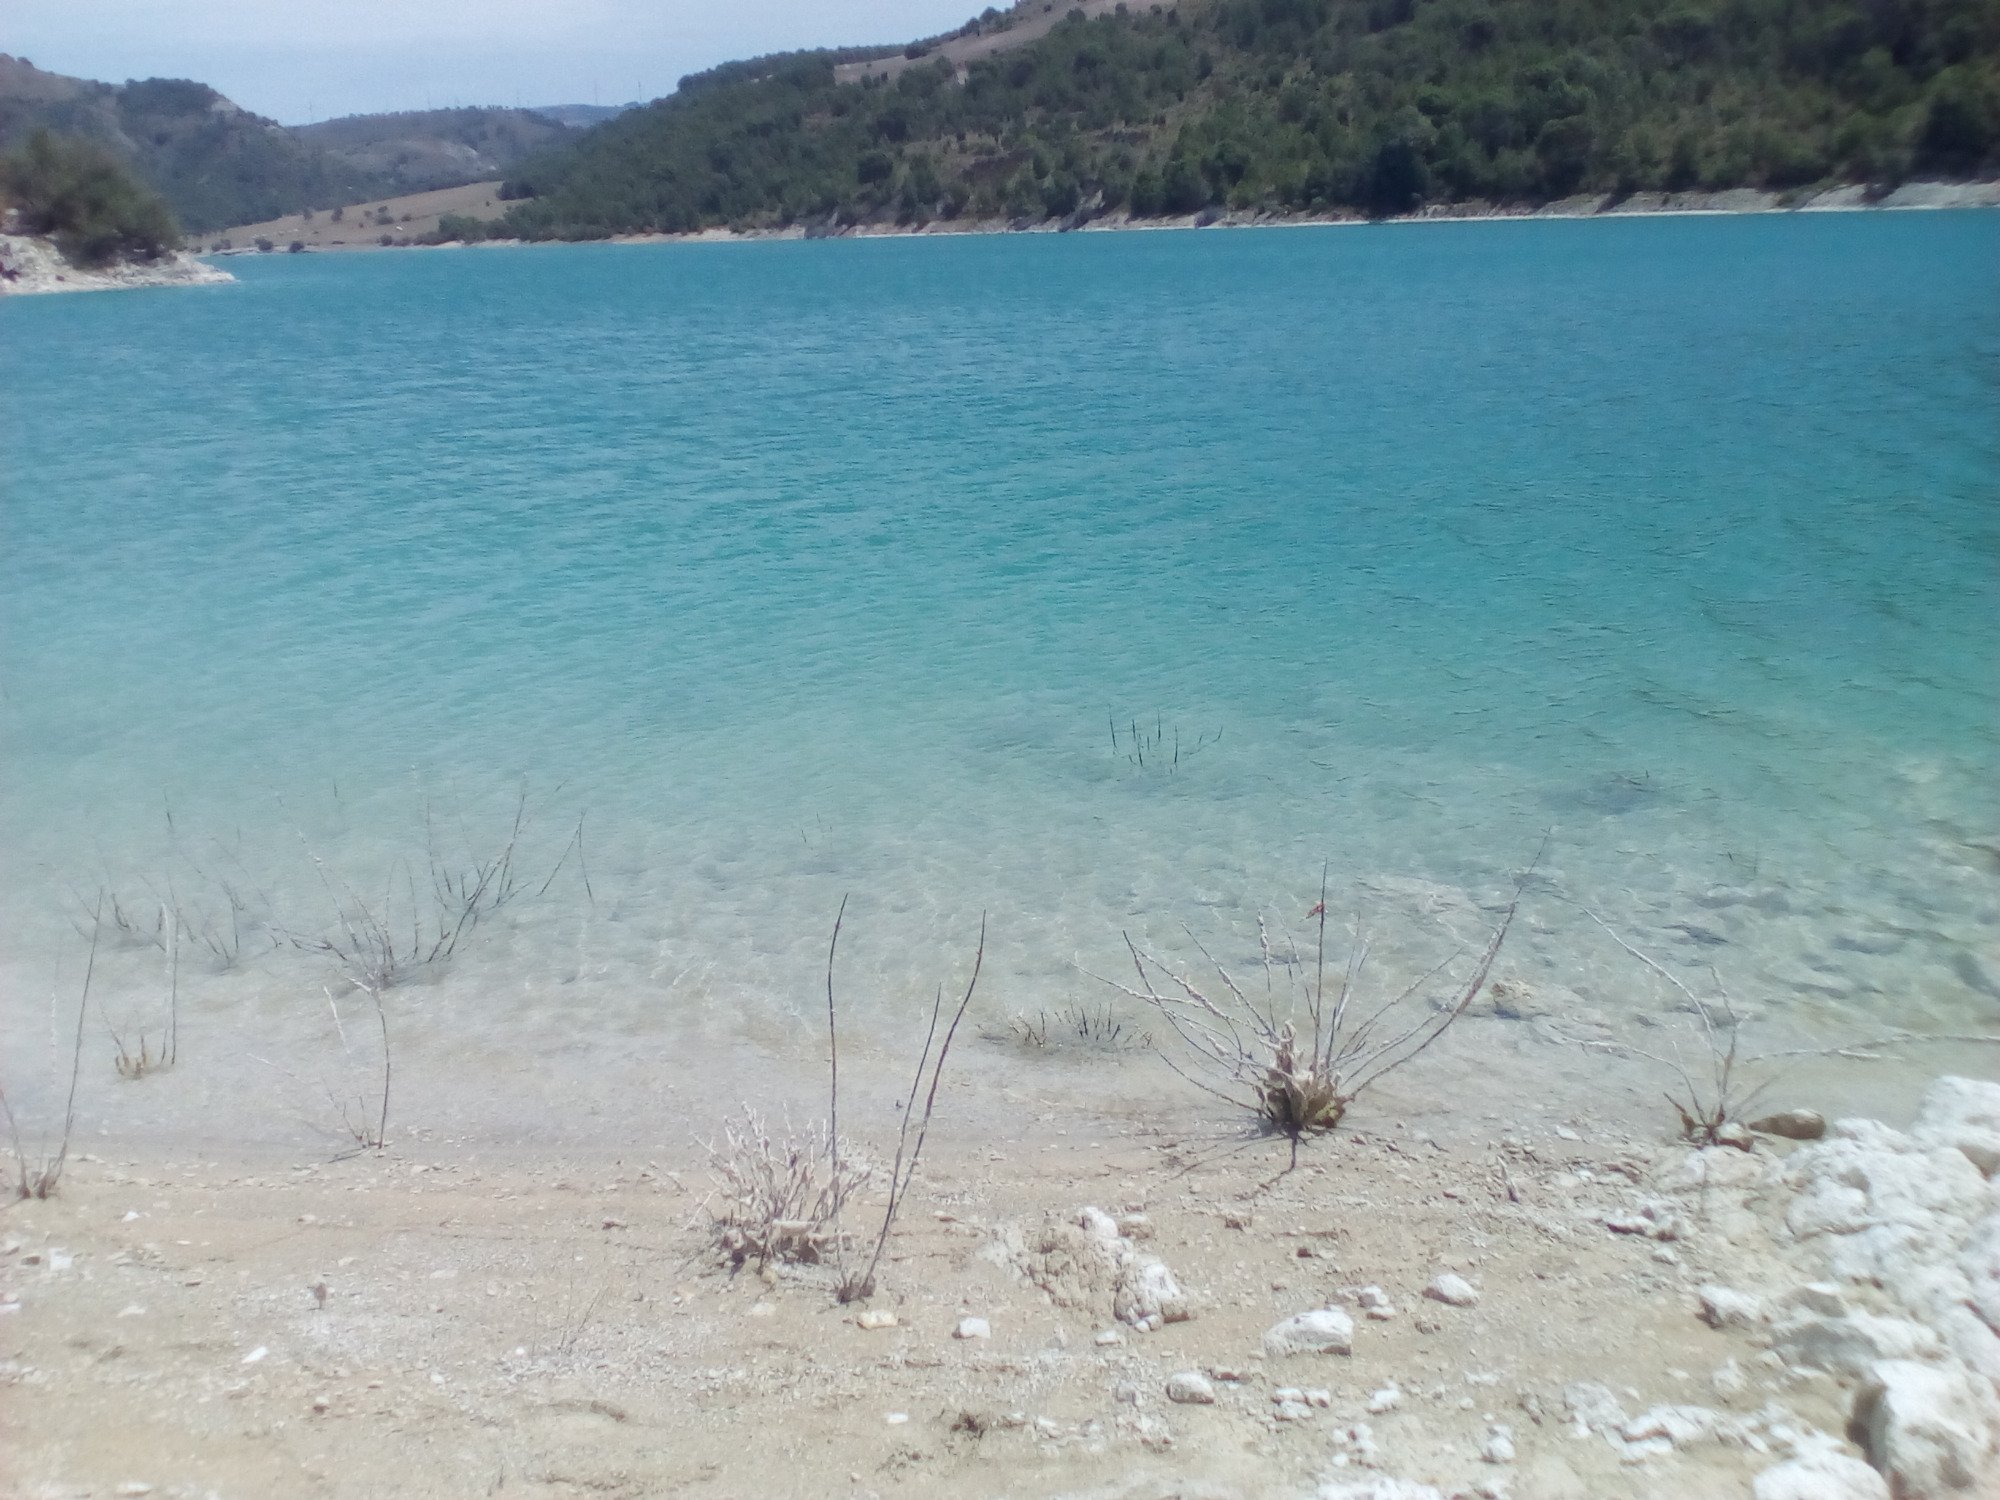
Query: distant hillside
x,y
420,150
1370,106
218,165
214,163
582,116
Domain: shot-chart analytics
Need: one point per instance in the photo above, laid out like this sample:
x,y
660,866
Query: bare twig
x,y
900,1177
833,1083
41,1181
19,1188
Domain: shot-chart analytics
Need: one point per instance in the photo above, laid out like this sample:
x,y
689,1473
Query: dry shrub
x,y
1293,1051
778,1198
1719,1093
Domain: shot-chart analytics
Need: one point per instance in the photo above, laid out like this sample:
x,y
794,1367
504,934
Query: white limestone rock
x,y
1323,1330
1849,1345
1376,1487
1099,1225
1729,1382
1147,1295
1820,1475
1933,1430
1453,1291
1190,1388
1882,1202
1964,1114
1375,1303
1980,1262
1679,1426
1822,1297
1592,1407
1725,1307
1971,1342
1499,1445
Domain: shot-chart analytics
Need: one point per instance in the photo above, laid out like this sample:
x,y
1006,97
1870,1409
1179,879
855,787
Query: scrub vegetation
x,y
80,196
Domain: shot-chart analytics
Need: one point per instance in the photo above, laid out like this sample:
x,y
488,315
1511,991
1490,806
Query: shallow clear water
x,y
806,569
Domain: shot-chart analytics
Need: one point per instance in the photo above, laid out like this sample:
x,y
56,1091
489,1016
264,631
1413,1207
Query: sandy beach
x,y
459,1315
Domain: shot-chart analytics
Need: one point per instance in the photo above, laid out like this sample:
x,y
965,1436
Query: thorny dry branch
x,y
1296,1056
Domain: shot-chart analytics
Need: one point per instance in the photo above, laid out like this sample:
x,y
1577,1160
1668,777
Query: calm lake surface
x,y
1096,582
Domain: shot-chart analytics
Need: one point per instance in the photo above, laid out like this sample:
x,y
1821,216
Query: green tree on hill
x,y
84,199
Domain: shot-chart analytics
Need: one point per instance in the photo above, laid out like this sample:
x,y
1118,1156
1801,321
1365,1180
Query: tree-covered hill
x,y
215,163
218,165
1377,106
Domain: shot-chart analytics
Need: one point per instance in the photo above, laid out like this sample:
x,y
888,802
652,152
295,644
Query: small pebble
x,y
1793,1124
1375,1302
1190,1388
973,1328
876,1317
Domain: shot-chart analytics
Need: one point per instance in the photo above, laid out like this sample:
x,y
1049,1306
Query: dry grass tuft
x,y
1073,1026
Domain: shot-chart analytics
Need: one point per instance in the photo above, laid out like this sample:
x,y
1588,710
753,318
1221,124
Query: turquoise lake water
x,y
799,569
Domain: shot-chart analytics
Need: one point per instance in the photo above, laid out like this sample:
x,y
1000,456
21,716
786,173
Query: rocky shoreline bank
x,y
1847,198
32,266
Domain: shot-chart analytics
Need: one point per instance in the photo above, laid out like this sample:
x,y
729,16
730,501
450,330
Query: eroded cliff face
x,y
29,265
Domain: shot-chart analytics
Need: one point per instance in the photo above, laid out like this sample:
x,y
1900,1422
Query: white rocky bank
x,y
30,265
1870,1258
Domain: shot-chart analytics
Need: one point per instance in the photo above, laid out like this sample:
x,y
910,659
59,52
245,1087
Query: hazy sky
x,y
298,60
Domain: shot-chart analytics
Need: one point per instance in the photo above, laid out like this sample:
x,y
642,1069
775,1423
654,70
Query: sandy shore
x,y
556,1323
